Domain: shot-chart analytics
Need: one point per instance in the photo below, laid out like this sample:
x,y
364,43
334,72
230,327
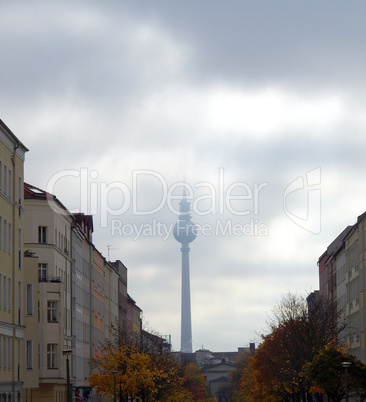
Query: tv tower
x,y
184,233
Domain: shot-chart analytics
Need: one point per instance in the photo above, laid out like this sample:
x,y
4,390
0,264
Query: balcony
x,y
49,279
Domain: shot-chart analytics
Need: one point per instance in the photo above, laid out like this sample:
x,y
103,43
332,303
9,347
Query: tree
x,y
134,373
195,383
239,364
296,336
249,389
327,375
144,370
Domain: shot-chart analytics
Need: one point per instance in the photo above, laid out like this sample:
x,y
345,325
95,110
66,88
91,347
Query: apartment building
x,y
81,281
111,280
355,251
342,279
18,278
134,322
57,291
47,234
341,289
122,293
98,301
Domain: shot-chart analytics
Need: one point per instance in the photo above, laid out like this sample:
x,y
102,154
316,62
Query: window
x,y
4,352
42,272
5,179
52,311
9,352
19,357
10,183
20,248
42,234
10,237
0,288
29,299
9,294
5,233
52,355
20,193
19,302
1,231
4,293
29,354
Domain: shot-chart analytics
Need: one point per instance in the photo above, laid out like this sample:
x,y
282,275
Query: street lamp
x,y
114,386
346,366
68,353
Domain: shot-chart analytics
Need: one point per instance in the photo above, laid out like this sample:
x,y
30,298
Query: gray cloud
x,y
265,91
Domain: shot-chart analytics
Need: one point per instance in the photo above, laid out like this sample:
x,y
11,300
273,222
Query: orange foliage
x,y
145,376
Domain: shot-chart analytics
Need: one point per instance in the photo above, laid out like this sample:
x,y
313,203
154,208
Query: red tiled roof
x,y
84,220
35,192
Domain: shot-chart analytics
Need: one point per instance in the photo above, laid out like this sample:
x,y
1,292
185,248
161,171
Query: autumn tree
x,y
145,370
296,336
249,389
327,374
130,368
195,383
239,364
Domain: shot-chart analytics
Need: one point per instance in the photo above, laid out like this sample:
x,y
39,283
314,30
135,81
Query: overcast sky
x,y
119,102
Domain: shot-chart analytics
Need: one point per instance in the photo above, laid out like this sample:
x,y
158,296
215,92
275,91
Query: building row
x,y
342,282
60,298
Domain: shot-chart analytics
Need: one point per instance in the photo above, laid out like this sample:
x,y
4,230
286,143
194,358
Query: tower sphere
x,y
184,231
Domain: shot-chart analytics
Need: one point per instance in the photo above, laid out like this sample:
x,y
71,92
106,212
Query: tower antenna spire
x,y
184,180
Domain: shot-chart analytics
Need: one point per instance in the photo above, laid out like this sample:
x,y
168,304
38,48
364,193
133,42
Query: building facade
x,y
111,300
18,285
342,281
82,265
47,234
355,285
57,292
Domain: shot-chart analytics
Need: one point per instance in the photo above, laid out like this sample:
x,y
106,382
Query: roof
x,y
212,367
131,301
336,244
13,137
33,192
220,379
84,221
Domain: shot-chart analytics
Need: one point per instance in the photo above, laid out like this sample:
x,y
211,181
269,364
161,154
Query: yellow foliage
x,y
142,376
133,371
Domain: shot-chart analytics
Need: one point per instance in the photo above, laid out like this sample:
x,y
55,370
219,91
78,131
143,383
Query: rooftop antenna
x,y
110,247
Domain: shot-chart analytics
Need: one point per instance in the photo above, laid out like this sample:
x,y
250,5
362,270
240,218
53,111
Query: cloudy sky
x,y
259,107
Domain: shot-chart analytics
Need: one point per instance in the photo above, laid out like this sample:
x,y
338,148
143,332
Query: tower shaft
x,y
186,325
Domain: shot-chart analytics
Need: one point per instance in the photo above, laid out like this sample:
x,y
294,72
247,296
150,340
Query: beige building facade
x,y
57,291
47,235
18,284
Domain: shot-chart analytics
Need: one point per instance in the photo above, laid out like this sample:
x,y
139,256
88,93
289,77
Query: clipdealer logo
x,y
309,215
219,228
238,200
